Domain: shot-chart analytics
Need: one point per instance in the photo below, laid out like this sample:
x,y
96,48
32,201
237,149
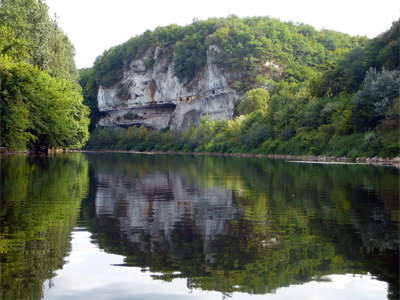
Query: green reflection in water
x,y
40,200
245,225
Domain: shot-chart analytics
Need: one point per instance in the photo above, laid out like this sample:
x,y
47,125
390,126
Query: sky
x,y
96,25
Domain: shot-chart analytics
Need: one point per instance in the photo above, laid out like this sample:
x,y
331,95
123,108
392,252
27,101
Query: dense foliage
x,y
347,74
244,46
40,102
39,110
316,96
89,87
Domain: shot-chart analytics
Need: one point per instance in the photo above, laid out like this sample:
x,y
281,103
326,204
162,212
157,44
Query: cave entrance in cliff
x,y
165,106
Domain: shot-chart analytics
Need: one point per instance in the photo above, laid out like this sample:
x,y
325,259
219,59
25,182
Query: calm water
x,y
124,226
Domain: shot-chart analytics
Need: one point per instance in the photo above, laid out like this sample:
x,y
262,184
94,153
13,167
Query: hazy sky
x,y
96,25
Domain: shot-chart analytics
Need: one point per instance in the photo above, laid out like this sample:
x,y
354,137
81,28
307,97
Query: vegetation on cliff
x,y
40,100
320,92
245,45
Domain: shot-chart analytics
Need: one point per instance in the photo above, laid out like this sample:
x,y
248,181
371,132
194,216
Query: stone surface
x,y
157,99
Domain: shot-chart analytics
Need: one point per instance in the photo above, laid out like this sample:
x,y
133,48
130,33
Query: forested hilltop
x,y
40,100
304,91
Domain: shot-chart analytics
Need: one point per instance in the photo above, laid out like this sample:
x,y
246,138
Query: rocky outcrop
x,y
150,94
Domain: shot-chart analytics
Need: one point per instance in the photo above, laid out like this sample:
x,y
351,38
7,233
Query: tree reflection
x,y
40,199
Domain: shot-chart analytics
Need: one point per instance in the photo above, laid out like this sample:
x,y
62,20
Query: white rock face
x,y
156,98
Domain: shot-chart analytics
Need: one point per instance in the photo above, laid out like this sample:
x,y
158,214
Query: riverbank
x,y
395,162
4,150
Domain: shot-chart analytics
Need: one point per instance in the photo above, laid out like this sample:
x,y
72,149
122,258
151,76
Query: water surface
x,y
124,226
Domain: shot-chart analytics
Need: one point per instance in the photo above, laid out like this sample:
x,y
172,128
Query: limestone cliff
x,y
151,95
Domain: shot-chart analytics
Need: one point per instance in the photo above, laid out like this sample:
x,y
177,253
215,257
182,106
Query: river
x,y
130,226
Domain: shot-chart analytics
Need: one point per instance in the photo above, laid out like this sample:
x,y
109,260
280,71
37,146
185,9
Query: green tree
x,y
39,111
254,100
40,102
90,86
31,35
379,93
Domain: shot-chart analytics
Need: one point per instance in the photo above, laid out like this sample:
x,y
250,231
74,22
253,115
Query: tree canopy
x,y
40,100
254,100
245,46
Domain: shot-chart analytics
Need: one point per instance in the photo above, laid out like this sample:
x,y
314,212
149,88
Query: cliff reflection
x,y
39,202
245,225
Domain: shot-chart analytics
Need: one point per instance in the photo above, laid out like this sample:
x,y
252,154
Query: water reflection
x,y
39,203
244,225
91,274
